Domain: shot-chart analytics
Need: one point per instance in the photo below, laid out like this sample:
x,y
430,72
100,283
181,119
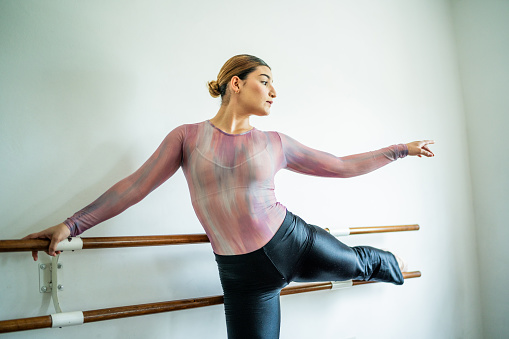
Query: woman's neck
x,y
231,121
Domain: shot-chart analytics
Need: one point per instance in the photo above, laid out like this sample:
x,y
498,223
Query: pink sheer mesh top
x,y
231,181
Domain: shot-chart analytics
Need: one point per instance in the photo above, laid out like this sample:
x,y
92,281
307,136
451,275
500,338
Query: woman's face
x,y
256,93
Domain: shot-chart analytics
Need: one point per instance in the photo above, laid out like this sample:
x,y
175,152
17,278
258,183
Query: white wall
x,y
483,43
89,89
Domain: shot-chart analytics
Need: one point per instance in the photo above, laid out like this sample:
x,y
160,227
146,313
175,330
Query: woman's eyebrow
x,y
266,76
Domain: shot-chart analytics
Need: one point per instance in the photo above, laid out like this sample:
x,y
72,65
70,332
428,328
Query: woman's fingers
x,y
60,233
35,254
56,234
53,246
426,149
427,152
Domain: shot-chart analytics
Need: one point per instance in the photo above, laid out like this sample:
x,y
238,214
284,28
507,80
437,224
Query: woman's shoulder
x,y
188,132
187,128
272,135
272,138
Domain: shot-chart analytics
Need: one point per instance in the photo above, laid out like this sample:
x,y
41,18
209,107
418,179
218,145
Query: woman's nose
x,y
272,92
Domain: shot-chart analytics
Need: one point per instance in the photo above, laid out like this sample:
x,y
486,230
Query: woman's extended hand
x,y
420,148
56,234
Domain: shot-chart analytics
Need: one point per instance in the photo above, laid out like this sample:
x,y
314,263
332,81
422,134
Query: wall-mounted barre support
x,y
76,318
159,240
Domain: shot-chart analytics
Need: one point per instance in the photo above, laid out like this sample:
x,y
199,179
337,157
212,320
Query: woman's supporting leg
x,y
253,316
251,286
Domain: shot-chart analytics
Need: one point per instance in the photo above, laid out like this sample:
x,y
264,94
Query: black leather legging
x,y
298,252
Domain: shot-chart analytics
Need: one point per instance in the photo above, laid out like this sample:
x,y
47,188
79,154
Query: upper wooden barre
x,y
24,324
160,240
147,240
383,229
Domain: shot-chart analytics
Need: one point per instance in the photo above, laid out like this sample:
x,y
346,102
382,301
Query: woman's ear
x,y
235,84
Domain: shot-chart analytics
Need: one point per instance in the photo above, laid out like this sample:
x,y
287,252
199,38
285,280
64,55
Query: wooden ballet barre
x,y
78,318
159,240
383,229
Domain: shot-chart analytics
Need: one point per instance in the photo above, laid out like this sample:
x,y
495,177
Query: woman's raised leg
x,y
329,259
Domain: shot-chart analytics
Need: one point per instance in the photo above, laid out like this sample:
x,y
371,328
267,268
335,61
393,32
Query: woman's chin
x,y
266,112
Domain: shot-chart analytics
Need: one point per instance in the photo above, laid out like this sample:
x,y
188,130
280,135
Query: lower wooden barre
x,y
24,324
160,240
143,309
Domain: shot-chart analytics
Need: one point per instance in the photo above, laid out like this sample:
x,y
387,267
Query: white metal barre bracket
x,y
50,281
46,282
67,319
338,232
341,284
70,244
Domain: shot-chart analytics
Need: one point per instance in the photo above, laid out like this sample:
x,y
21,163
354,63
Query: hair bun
x,y
214,89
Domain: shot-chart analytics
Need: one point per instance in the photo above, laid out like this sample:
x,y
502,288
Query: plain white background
x,y
88,90
483,44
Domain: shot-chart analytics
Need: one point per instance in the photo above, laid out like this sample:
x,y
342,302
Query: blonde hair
x,y
240,65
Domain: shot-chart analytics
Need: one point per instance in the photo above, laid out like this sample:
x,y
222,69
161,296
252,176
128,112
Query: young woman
x,y
229,165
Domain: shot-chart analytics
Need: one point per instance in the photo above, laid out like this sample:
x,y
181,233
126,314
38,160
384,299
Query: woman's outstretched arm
x,y
157,169
303,159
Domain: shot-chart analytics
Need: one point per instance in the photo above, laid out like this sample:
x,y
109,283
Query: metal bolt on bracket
x,y
44,289
42,266
60,287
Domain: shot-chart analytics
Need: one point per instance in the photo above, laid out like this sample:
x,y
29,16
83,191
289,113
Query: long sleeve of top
x,y
302,159
230,179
